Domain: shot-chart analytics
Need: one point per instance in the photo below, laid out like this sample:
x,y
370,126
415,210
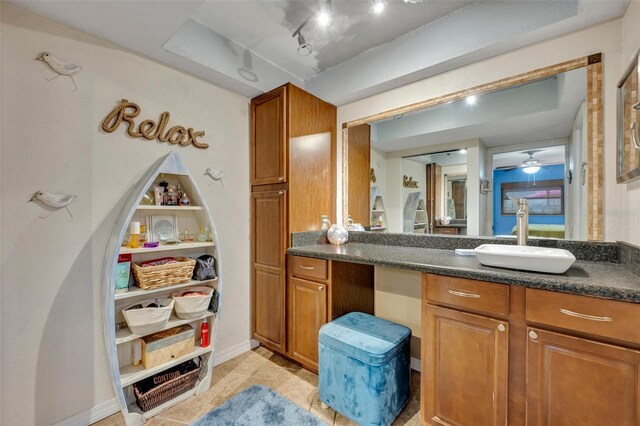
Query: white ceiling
x,y
539,111
548,156
246,46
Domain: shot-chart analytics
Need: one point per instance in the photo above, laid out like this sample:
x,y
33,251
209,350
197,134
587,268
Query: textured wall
x,y
53,357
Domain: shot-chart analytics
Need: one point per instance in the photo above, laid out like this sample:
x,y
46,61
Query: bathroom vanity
x,y
561,347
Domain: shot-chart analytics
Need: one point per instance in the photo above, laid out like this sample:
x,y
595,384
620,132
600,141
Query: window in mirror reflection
x,y
537,175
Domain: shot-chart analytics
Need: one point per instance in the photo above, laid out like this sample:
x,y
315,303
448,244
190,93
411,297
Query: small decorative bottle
x,y
325,222
204,334
349,221
202,237
185,201
134,231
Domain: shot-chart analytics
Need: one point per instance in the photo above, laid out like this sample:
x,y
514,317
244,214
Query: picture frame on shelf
x,y
162,228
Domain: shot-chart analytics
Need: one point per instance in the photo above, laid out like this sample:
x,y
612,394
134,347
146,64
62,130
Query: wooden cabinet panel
x,y
307,313
307,267
467,294
269,138
445,231
269,215
574,381
269,310
310,177
608,318
358,173
465,368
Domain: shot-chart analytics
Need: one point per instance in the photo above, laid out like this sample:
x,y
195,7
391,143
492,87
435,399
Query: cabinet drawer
x,y
308,267
468,294
608,318
446,231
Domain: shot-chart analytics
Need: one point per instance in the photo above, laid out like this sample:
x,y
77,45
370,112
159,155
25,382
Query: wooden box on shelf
x,y
166,345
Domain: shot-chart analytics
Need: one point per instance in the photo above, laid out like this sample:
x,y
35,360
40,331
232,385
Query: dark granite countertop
x,y
602,280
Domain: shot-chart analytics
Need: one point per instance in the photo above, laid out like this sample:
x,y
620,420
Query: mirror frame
x,y
595,125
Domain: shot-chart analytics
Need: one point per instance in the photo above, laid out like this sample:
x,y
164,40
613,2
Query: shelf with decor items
x,y
137,291
167,247
161,273
130,374
125,335
378,217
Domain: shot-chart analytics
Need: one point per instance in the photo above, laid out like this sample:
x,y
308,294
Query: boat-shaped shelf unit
x,y
119,342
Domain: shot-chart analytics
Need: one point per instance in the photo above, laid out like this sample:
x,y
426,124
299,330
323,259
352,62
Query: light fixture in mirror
x,y
521,115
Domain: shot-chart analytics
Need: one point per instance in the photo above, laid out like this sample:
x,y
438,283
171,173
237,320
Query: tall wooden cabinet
x,y
293,180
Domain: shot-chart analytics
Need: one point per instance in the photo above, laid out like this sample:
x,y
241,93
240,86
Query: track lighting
x,y
304,49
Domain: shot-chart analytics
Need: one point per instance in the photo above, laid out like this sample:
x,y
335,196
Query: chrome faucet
x,y
522,222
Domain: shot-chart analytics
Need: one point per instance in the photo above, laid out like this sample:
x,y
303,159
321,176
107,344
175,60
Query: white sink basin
x,y
526,258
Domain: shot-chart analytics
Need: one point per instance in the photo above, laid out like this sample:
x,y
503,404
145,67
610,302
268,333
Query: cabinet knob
x,y
533,335
501,327
280,179
320,287
280,192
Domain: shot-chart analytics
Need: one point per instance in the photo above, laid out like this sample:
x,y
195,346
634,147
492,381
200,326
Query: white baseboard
x,y
415,364
235,351
110,407
92,415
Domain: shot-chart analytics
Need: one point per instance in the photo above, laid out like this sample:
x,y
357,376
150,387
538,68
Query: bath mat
x,y
258,406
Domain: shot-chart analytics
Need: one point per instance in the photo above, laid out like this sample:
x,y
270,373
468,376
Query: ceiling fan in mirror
x,y
530,166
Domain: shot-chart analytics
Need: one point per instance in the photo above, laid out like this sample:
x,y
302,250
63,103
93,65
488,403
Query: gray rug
x,y
258,406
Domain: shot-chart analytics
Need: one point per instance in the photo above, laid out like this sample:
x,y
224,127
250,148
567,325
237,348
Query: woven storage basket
x,y
149,277
168,390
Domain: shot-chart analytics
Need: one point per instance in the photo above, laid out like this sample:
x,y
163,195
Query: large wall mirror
x,y
455,164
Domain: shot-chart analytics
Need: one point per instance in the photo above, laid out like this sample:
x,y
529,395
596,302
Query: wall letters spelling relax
x,y
148,129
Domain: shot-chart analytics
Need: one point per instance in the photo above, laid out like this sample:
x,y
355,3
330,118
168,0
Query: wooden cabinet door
x,y
574,381
358,174
307,313
464,368
269,217
269,138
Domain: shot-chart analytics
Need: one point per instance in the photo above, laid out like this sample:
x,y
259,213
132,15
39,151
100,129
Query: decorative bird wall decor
x,y
53,200
215,175
60,67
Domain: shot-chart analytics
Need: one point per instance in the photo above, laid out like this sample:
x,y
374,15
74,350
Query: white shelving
x,y
131,374
169,208
119,343
167,247
133,408
137,291
125,335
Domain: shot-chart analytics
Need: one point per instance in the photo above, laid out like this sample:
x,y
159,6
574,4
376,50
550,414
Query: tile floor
x,y
261,366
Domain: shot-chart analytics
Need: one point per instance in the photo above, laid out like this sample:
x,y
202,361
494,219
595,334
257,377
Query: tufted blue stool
x,y
364,372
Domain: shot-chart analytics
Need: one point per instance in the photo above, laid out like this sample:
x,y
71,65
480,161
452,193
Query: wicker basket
x,y
168,390
149,277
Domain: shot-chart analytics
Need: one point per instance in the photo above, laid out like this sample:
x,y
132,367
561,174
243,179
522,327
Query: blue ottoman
x,y
364,372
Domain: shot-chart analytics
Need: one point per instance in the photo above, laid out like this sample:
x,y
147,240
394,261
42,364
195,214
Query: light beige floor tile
x,y
343,421
260,366
327,416
114,420
160,421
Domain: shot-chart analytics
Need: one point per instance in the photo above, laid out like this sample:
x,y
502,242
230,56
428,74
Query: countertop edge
x,y
498,276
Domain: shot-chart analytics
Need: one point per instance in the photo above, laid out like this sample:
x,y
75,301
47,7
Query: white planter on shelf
x,y
147,320
191,307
